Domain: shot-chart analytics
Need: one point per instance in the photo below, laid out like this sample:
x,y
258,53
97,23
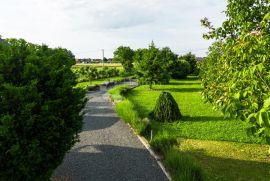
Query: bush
x,y
39,109
180,69
183,167
166,109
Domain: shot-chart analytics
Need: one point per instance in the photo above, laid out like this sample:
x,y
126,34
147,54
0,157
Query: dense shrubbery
x,y
236,73
39,109
191,59
180,69
166,109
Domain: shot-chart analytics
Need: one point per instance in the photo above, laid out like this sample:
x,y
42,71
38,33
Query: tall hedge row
x,y
39,109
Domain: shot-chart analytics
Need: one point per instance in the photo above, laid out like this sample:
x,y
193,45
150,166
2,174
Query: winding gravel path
x,y
108,149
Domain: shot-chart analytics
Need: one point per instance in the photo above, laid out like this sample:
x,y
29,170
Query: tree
x,y
191,59
152,65
236,72
124,55
105,60
40,109
180,69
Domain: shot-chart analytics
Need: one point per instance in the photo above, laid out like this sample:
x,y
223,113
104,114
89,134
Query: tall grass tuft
x,y
183,167
125,109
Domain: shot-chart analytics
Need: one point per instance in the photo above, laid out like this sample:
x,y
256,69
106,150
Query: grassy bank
x,y
203,127
86,84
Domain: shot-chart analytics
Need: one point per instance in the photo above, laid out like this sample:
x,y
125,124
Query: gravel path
x,y
108,149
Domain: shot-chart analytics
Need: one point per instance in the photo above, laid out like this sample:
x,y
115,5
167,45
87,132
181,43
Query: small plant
x,y
166,109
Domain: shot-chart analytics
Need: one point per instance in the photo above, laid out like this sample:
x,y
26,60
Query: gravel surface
x,y
108,149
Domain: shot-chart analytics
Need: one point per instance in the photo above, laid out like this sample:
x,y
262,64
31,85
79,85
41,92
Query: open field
x,y
221,147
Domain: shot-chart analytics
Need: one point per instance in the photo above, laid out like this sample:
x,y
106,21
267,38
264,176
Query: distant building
x,y
89,60
199,59
97,60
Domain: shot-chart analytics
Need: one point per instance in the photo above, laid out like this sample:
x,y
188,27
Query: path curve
x,y
108,149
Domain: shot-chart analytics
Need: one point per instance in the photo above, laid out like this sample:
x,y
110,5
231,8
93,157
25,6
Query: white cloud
x,y
86,26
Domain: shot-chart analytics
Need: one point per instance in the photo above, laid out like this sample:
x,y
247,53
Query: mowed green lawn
x,y
220,145
199,120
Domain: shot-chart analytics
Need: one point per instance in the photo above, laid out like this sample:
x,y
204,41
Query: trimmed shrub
x,y
39,109
166,109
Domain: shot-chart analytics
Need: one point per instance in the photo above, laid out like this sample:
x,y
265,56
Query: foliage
x,y
201,123
152,65
88,73
124,55
166,109
40,110
180,69
239,80
191,59
185,167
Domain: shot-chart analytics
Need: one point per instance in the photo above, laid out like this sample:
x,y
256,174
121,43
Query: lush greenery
x,y
153,65
39,115
90,73
166,109
204,124
236,73
124,55
191,59
180,69
116,92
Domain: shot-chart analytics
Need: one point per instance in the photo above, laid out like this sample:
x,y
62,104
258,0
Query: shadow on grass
x,y
219,168
185,83
180,89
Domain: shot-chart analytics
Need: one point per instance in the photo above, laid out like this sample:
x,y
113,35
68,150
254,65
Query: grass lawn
x,y
220,146
228,161
84,85
199,120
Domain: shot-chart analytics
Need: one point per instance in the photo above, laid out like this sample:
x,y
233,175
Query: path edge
x,y
147,146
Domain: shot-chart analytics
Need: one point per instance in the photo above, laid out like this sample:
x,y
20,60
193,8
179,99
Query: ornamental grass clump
x,y
166,109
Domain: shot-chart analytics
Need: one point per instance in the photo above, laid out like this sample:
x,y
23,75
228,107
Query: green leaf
x,y
266,103
267,17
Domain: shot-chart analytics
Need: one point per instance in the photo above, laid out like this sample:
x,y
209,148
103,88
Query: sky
x,y
87,26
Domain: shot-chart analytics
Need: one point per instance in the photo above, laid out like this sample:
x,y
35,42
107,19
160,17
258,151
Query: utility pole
x,y
102,57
